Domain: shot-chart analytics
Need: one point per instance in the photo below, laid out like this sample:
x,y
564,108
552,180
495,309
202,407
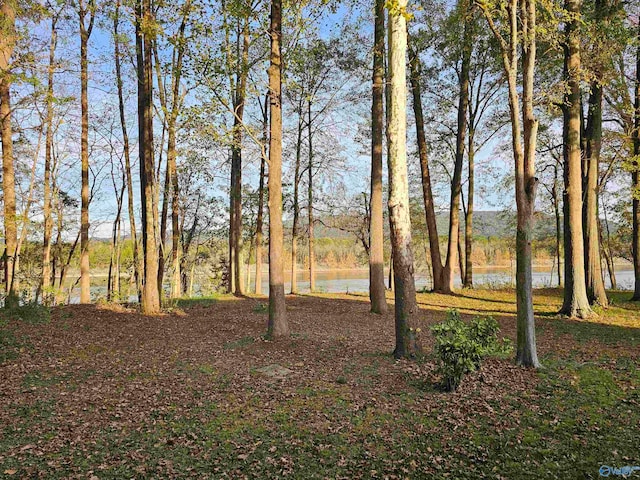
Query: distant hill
x,y
485,224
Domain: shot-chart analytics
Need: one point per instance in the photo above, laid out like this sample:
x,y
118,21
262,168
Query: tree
x,y
576,302
521,26
7,44
144,32
85,34
259,217
126,152
427,192
635,177
277,326
376,220
461,135
46,208
399,215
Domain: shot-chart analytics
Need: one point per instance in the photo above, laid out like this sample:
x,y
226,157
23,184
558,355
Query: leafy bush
x,y
460,347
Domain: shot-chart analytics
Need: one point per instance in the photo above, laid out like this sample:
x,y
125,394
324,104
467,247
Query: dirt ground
x,y
103,392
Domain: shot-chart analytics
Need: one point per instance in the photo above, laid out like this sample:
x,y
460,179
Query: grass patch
x,y
242,342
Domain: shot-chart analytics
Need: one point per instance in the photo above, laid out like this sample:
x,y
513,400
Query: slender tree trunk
x,y
236,163
556,209
523,25
460,255
114,271
456,182
85,33
7,43
526,187
277,326
376,218
164,216
259,218
593,264
399,215
46,207
468,220
635,180
427,193
311,221
576,302
127,156
296,209
150,297
606,249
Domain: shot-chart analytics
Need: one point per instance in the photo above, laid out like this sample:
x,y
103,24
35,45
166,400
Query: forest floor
x,y
101,392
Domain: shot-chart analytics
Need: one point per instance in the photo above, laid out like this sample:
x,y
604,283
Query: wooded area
x,y
155,155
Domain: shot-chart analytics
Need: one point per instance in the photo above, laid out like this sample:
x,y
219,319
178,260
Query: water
x,y
357,280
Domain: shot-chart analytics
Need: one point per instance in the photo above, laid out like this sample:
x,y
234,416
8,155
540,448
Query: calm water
x,y
357,280
341,281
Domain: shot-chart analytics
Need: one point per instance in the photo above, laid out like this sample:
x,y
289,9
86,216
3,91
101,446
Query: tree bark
x,y
48,157
524,158
312,254
150,298
427,192
296,205
399,214
556,210
635,180
376,218
259,217
85,33
468,219
7,44
277,326
593,262
456,182
576,302
127,155
236,163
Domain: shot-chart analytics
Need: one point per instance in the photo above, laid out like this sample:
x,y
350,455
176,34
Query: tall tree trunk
x,y
468,219
456,182
606,249
176,104
576,302
399,214
526,188
523,25
236,163
127,156
556,209
259,217
312,250
7,43
114,271
376,218
85,33
296,207
48,157
635,179
150,297
427,193
593,263
277,326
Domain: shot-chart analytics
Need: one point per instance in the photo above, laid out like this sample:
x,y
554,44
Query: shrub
x,y
460,347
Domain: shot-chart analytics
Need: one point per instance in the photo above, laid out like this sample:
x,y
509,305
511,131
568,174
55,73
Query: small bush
x,y
460,347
